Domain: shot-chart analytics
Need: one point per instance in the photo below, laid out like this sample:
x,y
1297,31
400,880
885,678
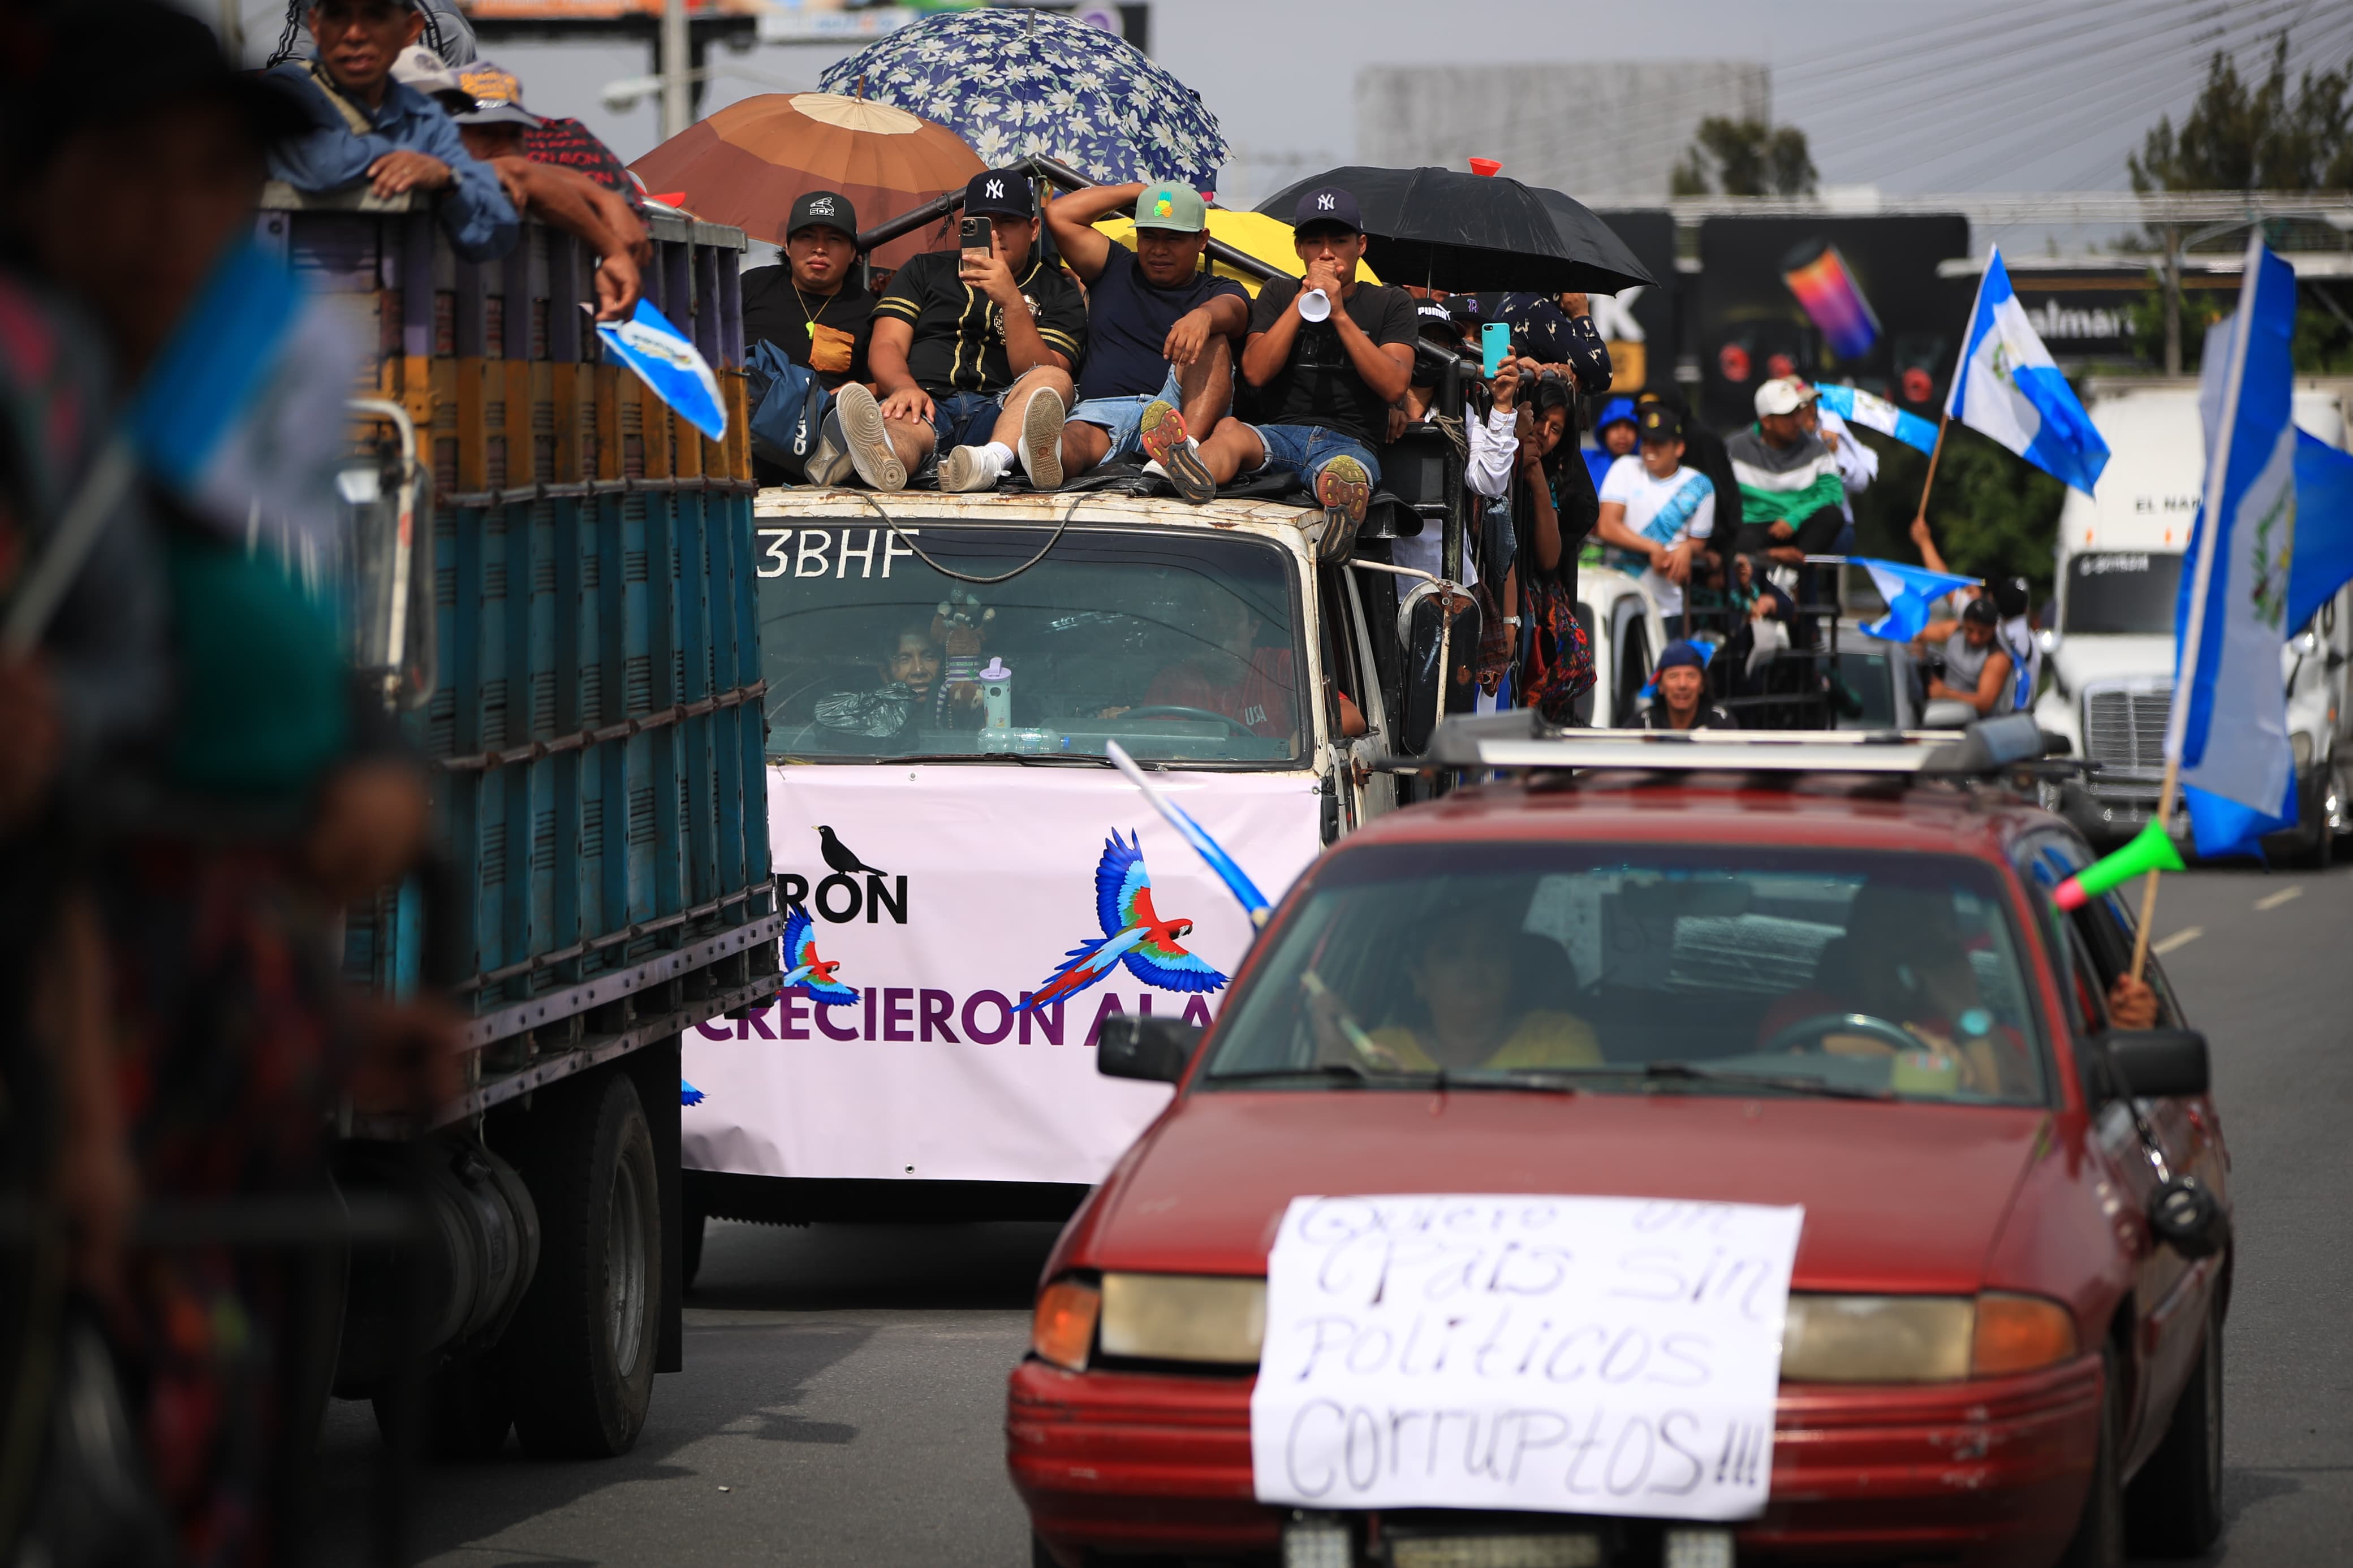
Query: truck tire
x,y
578,1360
466,1413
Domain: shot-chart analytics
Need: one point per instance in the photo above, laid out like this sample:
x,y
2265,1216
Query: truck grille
x,y
2126,728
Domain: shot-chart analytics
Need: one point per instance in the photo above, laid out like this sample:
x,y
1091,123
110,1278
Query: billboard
x,y
1750,323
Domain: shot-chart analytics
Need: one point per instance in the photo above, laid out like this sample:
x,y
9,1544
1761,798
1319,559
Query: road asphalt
x,y
843,1398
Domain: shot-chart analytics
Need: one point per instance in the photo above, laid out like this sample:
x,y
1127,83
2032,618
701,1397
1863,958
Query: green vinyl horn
x,y
2150,850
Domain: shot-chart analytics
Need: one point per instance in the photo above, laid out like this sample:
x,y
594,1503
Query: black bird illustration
x,y
839,856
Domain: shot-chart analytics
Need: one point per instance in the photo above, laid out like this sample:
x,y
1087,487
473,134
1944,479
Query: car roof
x,y
836,506
1818,811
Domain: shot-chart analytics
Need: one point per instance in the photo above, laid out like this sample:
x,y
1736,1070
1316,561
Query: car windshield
x,y
2122,593
1179,646
1870,674
1621,968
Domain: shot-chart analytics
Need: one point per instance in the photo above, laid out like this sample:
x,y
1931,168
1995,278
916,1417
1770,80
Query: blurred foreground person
x,y
221,866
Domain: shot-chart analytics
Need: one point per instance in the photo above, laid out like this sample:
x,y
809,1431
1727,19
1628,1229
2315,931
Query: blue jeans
x,y
1305,450
965,419
1122,418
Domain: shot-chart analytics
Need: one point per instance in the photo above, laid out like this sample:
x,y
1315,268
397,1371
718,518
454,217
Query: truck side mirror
x,y
2158,1064
1431,691
1153,1049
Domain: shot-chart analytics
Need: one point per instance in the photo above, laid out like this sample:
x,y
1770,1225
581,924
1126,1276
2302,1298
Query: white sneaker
x,y
967,468
870,443
1041,440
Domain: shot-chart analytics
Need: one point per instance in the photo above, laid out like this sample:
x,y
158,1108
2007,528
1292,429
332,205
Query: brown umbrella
x,y
749,163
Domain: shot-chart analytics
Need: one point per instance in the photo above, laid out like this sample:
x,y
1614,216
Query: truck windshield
x,y
2121,593
1180,647
1616,968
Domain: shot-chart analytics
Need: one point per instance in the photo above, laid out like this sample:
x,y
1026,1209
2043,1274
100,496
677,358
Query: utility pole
x,y
2173,300
677,103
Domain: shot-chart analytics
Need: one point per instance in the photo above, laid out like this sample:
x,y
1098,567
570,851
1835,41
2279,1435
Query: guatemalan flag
x,y
1857,407
2006,387
2230,734
1911,593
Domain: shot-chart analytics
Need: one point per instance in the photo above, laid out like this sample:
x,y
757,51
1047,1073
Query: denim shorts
x,y
1122,418
965,419
1305,448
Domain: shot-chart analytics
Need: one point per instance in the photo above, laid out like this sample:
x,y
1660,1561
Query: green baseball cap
x,y
1177,209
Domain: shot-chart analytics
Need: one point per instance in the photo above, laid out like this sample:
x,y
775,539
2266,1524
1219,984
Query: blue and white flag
x,y
2324,528
1872,412
244,413
667,360
2227,728
2006,386
1911,593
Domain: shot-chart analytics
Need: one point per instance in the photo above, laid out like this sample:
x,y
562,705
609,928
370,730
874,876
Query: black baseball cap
x,y
107,61
1981,611
823,209
1658,423
1327,207
999,193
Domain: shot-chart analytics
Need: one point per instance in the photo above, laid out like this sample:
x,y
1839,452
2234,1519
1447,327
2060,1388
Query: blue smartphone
x,y
1494,347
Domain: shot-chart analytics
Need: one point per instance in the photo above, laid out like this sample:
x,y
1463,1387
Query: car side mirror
x,y
1153,1049
2157,1064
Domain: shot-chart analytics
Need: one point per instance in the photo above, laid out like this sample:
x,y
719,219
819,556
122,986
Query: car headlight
x,y
1063,1326
1921,1339
1184,1316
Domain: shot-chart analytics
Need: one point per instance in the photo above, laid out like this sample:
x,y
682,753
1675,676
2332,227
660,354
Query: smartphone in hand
x,y
1494,347
976,237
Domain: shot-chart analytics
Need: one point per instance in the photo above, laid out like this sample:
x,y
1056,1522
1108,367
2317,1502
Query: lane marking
x,y
2178,938
2281,897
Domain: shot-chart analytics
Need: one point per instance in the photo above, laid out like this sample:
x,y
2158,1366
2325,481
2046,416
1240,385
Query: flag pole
x,y
1934,453
2193,635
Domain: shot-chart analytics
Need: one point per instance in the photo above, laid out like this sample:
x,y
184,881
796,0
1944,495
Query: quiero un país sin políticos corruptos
x,y
1552,1354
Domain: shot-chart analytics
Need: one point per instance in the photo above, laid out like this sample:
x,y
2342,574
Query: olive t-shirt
x,y
1320,385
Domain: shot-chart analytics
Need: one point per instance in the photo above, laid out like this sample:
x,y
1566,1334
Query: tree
x,y
1994,514
2258,137
1745,158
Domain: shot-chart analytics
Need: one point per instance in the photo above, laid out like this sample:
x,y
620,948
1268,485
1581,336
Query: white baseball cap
x,y
1783,395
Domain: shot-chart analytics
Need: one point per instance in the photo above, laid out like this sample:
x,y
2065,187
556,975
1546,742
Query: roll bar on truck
x,y
550,574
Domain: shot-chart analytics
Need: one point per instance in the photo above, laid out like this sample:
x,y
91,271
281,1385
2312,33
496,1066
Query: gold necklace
x,y
807,321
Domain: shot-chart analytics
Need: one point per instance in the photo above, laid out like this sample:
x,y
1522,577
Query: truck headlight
x,y
1921,1339
1184,1316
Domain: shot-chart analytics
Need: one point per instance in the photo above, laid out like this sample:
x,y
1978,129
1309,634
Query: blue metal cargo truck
x,y
550,574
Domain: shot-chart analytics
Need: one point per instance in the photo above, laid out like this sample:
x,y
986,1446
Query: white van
x,y
2110,652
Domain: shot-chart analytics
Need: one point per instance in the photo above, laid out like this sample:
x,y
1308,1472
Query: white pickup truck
x,y
2110,652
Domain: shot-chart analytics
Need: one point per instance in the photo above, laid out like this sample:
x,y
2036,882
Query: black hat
x,y
999,193
823,209
1327,207
1658,423
2012,596
107,60
1981,611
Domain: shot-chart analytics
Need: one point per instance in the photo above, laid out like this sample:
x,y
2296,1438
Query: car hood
x,y
2085,660
1905,1197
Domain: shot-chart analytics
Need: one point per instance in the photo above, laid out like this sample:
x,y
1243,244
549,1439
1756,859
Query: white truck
x,y
2110,650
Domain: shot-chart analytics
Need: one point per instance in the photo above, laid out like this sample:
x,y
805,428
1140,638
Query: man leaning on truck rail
x,y
366,126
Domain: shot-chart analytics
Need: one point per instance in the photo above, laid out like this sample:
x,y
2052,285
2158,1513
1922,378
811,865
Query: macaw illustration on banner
x,y
955,938
1523,1352
1135,936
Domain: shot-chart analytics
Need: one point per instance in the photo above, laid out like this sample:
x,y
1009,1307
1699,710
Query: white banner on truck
x,y
1552,1354
942,897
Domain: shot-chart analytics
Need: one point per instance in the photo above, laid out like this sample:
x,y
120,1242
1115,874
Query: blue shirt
x,y
1127,322
474,209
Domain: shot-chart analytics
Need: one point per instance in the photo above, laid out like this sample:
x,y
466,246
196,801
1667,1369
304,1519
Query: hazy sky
x,y
1958,95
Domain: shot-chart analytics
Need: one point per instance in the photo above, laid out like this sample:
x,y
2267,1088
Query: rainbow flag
x,y
1818,275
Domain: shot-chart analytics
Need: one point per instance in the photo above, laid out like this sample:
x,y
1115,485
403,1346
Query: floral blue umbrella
x,y
1012,83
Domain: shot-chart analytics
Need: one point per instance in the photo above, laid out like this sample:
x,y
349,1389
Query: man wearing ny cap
x,y
366,126
973,357
1789,487
809,311
1162,333
1328,356
1654,507
485,102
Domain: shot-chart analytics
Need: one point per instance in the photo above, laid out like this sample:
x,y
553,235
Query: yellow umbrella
x,y
1268,238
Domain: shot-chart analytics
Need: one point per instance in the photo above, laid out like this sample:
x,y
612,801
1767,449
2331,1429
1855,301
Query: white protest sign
x,y
1551,1355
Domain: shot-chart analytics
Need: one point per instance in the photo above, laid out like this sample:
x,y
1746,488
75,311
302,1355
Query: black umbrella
x,y
1465,233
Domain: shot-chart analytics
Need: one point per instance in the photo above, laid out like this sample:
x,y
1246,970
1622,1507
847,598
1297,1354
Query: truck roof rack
x,y
1522,739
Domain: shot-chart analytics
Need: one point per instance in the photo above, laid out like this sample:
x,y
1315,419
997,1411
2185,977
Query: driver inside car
x,y
1226,673
1903,965
1466,1004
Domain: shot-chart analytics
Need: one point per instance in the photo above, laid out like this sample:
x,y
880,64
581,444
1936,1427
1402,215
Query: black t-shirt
x,y
774,313
1128,321
960,335
1711,716
1319,386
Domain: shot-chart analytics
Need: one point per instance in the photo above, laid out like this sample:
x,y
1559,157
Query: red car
x,y
1785,983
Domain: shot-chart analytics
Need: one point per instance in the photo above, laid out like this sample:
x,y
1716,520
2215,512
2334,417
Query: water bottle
x,y
997,694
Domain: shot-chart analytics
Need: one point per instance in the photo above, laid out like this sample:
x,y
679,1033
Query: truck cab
x,y
2110,652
